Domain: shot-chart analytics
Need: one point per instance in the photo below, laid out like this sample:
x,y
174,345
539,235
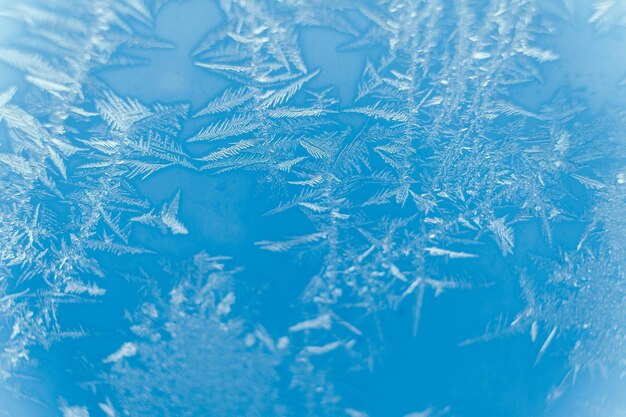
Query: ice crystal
x,y
466,157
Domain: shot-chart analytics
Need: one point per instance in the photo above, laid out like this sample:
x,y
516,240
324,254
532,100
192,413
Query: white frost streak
x,y
107,408
74,411
355,413
169,215
321,322
546,344
127,350
321,350
224,307
449,253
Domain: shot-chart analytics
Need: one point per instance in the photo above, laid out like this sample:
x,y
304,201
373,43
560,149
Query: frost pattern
x,y
434,169
65,194
187,340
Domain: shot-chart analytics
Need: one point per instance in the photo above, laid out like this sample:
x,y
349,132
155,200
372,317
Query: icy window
x,y
311,208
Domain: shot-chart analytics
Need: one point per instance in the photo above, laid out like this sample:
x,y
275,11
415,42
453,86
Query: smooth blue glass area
x,y
311,208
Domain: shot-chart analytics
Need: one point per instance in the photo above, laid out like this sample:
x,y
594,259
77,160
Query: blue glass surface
x,y
356,208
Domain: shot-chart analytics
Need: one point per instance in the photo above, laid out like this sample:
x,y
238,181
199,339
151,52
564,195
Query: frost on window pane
x,y
190,354
418,206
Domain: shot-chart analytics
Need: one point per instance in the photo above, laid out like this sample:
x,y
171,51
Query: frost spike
x,y
285,93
